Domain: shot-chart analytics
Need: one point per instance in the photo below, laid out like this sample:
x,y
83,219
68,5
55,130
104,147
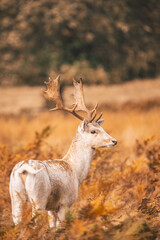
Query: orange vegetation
x,y
120,199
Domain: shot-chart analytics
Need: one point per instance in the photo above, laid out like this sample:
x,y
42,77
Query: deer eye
x,y
93,131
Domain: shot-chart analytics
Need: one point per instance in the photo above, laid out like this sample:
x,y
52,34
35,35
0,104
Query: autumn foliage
x,y
120,199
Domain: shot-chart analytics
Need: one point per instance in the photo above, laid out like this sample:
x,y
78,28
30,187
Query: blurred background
x,y
103,41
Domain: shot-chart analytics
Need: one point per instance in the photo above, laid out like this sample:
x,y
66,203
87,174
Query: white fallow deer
x,y
52,185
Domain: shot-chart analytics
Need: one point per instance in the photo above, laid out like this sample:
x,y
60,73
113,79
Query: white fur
x,y
52,185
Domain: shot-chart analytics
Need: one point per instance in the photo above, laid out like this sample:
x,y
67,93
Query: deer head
x,y
94,135
90,129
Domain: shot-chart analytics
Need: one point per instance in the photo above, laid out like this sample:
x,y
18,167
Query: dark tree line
x,y
117,39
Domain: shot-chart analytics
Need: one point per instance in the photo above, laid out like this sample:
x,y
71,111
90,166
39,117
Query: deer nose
x,y
114,141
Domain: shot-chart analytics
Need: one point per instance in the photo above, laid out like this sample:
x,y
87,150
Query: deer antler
x,y
53,94
79,100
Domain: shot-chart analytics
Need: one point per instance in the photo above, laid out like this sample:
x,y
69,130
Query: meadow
x,y
120,199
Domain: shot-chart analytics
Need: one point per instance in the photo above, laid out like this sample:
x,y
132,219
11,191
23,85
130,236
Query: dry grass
x,y
136,93
120,199
142,94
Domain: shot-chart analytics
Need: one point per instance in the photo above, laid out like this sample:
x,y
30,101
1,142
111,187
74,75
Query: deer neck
x,y
80,156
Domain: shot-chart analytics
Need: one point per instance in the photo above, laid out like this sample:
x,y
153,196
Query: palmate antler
x,y
53,94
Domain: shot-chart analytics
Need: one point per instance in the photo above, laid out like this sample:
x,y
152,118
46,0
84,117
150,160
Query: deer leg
x,y
17,207
18,198
17,203
60,216
38,208
51,219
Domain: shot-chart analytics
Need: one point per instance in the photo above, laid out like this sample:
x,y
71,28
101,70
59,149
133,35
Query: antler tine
x,y
79,100
94,111
78,95
53,94
99,117
74,112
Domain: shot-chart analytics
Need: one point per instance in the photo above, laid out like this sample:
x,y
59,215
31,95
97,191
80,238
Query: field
x,y
120,199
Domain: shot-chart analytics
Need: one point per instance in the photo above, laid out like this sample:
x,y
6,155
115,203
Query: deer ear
x,y
100,122
83,126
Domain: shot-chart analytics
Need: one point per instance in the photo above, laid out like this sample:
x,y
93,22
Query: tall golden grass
x,y
120,199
